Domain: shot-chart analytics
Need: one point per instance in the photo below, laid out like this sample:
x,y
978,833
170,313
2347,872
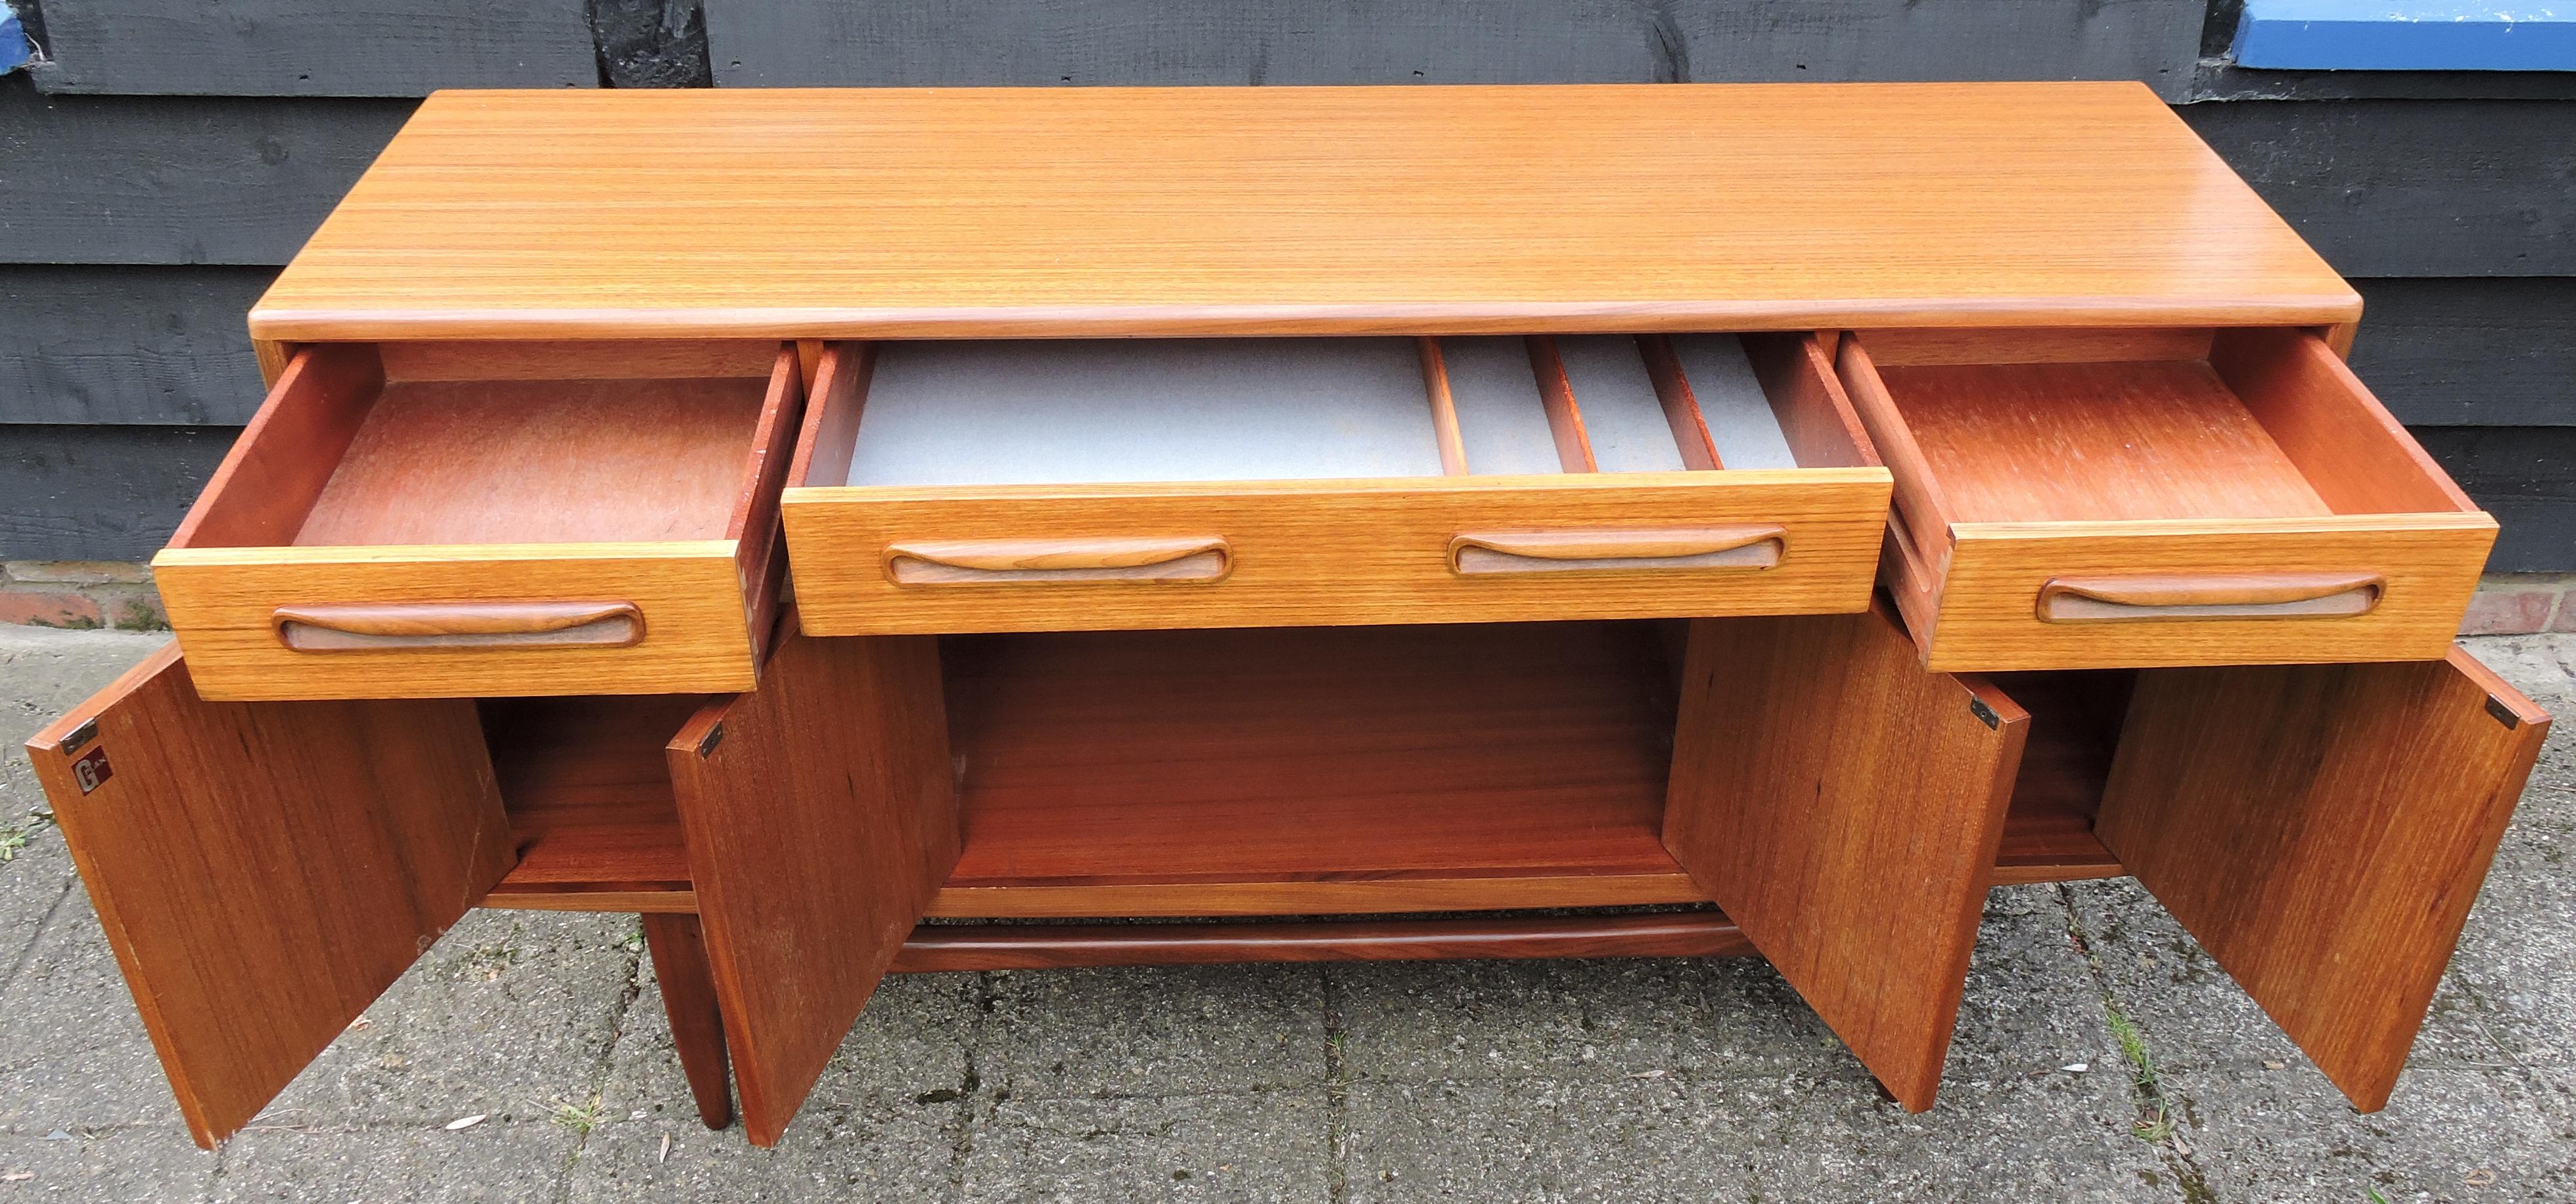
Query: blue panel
x,y
13,42
2407,35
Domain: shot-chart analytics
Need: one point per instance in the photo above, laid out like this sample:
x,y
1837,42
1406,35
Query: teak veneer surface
x,y
263,872
2095,442
981,212
2322,830
541,461
1823,785
1241,771
820,814
592,812
589,794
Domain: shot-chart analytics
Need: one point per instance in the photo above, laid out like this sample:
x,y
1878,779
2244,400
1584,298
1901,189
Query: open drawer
x,y
2166,497
1083,485
458,519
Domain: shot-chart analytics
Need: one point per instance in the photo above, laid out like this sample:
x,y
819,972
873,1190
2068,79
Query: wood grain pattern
x,y
1564,414
558,359
544,461
954,947
1823,783
994,561
264,872
1746,548
688,989
1111,211
380,625
2137,598
1921,510
2075,718
222,602
2094,442
1987,616
649,484
834,405
1901,348
1270,771
1339,552
285,457
588,788
1328,552
1681,408
2012,475
820,814
588,794
1444,407
1815,415
759,541
2322,831
2347,445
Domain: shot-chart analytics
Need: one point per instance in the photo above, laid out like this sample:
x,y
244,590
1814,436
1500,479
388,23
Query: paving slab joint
x,y
626,997
1337,1089
2160,1113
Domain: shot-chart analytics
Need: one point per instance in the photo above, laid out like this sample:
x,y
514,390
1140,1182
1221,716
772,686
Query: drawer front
x,y
2291,591
283,623
1046,558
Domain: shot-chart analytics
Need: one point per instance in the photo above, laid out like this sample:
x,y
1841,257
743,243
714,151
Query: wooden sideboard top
x,y
1121,211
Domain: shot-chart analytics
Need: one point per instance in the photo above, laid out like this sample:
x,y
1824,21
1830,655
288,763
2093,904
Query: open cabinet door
x,y
820,813
1844,805
265,870
2322,830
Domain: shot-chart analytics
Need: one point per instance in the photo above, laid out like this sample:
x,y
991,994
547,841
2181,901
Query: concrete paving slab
x,y
2451,1134
46,671
1262,1145
1433,1022
883,1122
510,1014
72,1051
1685,1138
146,1165
1159,1031
2030,1006
911,1045
43,672
496,1161
886,1151
34,885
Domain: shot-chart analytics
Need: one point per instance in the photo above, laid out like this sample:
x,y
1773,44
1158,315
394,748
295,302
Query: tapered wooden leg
x,y
697,1025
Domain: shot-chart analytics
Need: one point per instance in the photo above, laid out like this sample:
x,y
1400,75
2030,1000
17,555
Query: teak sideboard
x,y
846,526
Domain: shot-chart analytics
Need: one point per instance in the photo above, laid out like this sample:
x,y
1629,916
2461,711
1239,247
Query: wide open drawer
x,y
983,486
2144,498
442,520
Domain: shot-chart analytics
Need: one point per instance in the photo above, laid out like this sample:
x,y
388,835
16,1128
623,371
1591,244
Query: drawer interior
x,y
468,443
987,413
2096,426
1276,771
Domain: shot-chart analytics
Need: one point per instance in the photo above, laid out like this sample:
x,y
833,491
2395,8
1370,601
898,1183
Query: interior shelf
x,y
1290,771
1263,771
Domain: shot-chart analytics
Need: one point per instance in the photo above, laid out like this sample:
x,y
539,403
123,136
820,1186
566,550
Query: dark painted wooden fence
x,y
162,159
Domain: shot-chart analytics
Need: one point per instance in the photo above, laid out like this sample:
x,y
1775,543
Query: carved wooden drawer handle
x,y
2217,596
1745,547
360,626
1045,561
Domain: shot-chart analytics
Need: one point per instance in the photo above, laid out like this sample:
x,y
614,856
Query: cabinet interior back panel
x,y
1082,411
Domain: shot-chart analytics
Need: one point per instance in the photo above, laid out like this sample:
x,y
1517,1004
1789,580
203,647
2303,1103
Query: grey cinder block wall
x,y
159,161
